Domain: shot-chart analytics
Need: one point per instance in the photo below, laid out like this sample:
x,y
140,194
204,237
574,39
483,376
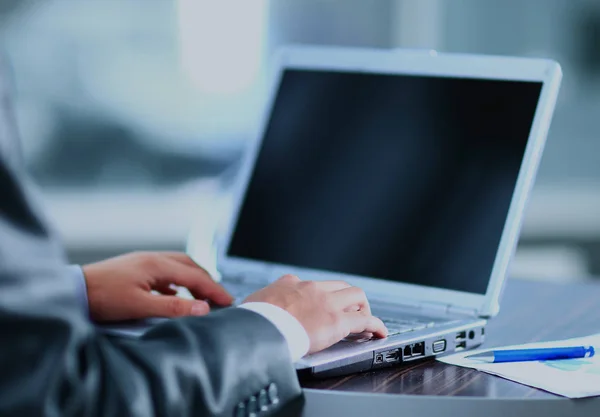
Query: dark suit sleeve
x,y
53,362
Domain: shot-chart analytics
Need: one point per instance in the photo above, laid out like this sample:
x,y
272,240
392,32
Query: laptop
x,y
404,173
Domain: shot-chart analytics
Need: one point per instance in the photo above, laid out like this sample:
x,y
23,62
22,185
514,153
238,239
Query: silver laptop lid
x,y
403,173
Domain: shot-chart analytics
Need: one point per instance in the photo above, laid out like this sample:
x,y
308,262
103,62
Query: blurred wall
x,y
134,113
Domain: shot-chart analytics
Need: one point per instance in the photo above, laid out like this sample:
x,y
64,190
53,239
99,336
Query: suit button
x,y
240,410
273,394
252,407
263,400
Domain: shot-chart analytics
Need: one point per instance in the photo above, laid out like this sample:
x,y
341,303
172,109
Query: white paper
x,y
572,378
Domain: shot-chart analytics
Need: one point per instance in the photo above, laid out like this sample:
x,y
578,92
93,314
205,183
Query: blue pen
x,y
541,354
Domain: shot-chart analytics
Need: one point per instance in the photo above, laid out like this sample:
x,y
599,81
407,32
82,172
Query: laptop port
x,y
461,335
407,351
418,349
379,358
461,345
391,356
439,346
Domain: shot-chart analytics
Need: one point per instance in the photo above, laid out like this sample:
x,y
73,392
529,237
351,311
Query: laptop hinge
x,y
445,308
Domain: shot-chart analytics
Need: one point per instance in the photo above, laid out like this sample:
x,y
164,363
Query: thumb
x,y
172,306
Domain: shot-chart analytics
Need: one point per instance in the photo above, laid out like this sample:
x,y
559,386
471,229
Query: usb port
x,y
461,345
461,335
391,356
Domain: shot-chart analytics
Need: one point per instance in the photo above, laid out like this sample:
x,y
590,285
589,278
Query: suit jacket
x,y
53,362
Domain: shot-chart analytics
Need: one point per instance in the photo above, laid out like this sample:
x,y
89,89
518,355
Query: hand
x,y
120,288
328,310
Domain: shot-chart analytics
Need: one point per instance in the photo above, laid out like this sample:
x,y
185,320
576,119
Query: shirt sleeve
x,y
293,332
76,272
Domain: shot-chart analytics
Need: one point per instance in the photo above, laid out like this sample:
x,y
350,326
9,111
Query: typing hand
x,y
328,310
120,288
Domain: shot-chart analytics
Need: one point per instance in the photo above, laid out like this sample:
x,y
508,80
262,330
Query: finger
x,y
195,279
165,289
359,336
171,306
347,298
360,323
185,259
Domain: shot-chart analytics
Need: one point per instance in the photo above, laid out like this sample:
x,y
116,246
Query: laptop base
x,y
346,358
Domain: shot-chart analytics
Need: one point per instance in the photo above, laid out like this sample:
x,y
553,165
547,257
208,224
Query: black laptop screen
x,y
402,178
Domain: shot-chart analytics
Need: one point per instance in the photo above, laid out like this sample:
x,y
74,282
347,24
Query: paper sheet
x,y
572,378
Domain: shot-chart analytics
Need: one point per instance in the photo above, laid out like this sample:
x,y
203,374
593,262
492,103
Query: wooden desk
x,y
530,312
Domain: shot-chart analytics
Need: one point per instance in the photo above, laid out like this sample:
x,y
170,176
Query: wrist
x,y
94,292
290,328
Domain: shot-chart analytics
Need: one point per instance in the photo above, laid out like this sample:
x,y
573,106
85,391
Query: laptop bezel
x,y
401,62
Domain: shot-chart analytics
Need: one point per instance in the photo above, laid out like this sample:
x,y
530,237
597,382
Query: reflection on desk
x,y
530,312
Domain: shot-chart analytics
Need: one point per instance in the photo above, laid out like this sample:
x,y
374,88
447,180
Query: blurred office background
x,y
134,113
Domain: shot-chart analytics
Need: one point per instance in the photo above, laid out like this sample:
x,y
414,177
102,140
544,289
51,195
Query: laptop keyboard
x,y
396,326
399,326
404,324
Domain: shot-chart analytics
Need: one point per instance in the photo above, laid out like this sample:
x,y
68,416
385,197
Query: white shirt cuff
x,y
294,334
77,274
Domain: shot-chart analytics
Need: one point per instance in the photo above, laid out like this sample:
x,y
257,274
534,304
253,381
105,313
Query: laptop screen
x,y
397,177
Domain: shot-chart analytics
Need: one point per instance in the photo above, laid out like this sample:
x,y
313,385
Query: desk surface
x,y
530,312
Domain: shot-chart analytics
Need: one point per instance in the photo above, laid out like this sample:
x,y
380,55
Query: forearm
x,y
246,354
191,366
